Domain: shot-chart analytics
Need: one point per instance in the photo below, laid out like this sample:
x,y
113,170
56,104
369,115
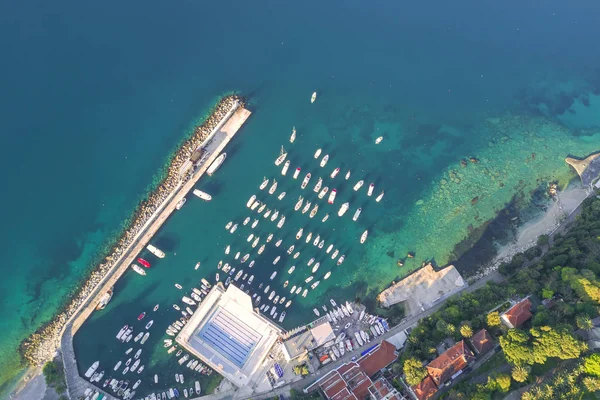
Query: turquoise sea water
x,y
95,95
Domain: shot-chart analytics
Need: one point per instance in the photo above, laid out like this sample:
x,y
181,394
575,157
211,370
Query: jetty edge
x,y
207,140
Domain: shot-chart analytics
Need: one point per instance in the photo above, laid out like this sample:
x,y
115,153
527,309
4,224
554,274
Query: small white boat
x,y
227,249
313,97
335,254
306,207
275,215
313,212
327,275
296,254
305,181
305,293
293,136
317,153
343,209
178,286
229,225
358,185
316,241
138,269
325,218
217,277
202,195
233,228
197,266
273,187
333,303
263,185
370,190
324,160
237,255
318,314
245,258
321,244
219,264
281,158
273,275
378,140
332,196
285,168
261,208
149,324
299,290
356,214
318,185
278,243
251,200
378,199
348,175
290,250
255,243
363,237
261,249
197,387
329,249
335,172
298,203
299,234
255,205
251,264
281,222
180,203
316,267
315,284
282,317
308,237
341,260
291,269
323,192
276,260
281,196
246,221
266,215
296,173
289,303
117,365
250,237
270,237
254,223
251,279
293,289
216,164
312,260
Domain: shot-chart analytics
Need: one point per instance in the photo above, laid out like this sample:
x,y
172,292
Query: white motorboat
x,y
313,97
370,190
227,249
289,303
251,264
299,290
329,249
321,244
296,254
305,293
324,160
138,269
189,301
378,199
363,237
264,184
306,207
305,181
220,264
276,300
255,243
318,185
356,214
273,275
261,249
245,258
255,205
285,168
313,212
327,275
273,187
261,208
266,215
293,267
238,275
281,222
325,218
246,221
358,185
316,241
312,260
343,209
250,237
203,195
281,196
308,237
317,153
229,225
299,234
296,173
217,277
156,251
197,387
335,172
316,267
378,140
281,158
254,223
92,369
117,365
293,289
341,259
347,175
251,200
149,324
310,278
278,243
323,192
271,295
293,136
317,313
335,253
180,203
298,203
282,317
332,196
276,260
233,228
216,164
290,250
197,266
237,255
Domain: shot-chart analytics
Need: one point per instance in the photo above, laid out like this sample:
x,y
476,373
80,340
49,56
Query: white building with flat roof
x,y
227,334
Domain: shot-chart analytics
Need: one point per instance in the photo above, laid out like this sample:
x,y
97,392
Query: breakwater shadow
x,y
167,243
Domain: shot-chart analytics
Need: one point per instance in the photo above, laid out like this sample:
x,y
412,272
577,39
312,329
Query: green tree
x,y
520,373
54,375
592,384
493,319
466,331
555,343
414,371
592,365
517,350
547,293
503,382
543,240
584,322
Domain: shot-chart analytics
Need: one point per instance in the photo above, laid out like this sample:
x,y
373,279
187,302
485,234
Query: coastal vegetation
x,y
54,375
564,288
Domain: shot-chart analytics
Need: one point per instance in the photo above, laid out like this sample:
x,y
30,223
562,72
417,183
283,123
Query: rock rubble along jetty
x,y
41,346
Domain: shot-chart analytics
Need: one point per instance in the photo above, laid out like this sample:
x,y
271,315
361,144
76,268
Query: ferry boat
x,y
306,207
233,228
371,188
325,218
356,214
378,140
335,253
317,313
180,203
285,168
341,260
343,209
324,160
273,187
282,317
318,185
216,164
314,211
276,260
296,173
291,269
203,195
251,201
317,153
305,181
358,185
332,196
327,275
378,199
264,183
329,249
281,196
227,249
281,158
308,237
156,251
143,262
323,192
298,203
290,250
299,234
321,244
138,269
281,222
104,299
335,172
261,249
293,136
363,237
313,97
316,241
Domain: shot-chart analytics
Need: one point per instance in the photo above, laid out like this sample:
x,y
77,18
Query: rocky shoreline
x,y
41,346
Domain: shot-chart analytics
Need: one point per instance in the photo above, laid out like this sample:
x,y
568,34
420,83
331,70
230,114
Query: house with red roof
x,y
450,363
425,389
482,342
518,314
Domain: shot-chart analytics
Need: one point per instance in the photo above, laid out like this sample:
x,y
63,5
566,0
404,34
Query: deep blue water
x,y
96,94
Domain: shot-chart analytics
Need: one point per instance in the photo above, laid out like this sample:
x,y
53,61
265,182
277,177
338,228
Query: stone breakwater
x,y
41,346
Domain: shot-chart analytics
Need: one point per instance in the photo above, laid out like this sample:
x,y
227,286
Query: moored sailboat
x,y
281,158
305,181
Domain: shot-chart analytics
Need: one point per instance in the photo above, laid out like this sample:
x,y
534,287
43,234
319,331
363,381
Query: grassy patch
x,y
495,361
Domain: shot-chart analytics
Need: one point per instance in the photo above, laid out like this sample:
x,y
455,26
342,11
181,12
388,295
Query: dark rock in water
x,y
463,163
533,156
474,160
410,255
474,200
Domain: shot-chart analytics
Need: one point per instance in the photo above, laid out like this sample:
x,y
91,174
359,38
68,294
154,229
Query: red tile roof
x,y
482,342
450,362
425,389
378,359
519,313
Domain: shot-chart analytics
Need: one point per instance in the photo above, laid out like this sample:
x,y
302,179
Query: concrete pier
x,y
214,144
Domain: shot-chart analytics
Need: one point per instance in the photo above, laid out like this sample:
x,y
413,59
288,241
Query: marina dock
x,y
210,149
